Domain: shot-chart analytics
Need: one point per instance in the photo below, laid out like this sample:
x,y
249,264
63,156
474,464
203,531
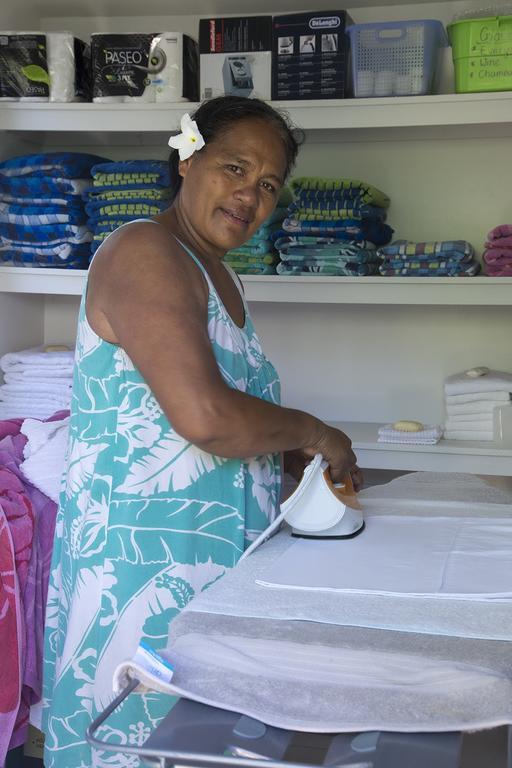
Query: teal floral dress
x,y
146,521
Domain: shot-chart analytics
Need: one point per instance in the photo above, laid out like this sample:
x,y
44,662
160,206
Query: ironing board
x,y
229,611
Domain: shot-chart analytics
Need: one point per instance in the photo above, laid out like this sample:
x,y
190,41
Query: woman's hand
x,y
336,449
357,478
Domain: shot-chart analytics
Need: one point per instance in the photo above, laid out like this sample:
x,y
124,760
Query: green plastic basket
x,y
482,54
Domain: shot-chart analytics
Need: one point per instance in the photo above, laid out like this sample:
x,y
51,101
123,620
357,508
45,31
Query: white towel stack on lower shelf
x,y
37,383
470,403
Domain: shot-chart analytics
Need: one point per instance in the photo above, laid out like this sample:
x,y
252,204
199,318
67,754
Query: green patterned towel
x,y
366,192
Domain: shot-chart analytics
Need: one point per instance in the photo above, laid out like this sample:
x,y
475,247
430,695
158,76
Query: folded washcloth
x,y
476,434
236,258
471,397
58,388
252,262
336,210
23,377
494,381
253,269
25,411
68,165
127,195
429,435
100,209
265,246
425,251
366,192
32,188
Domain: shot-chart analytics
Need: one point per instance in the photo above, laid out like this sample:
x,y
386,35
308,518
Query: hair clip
x,y
189,140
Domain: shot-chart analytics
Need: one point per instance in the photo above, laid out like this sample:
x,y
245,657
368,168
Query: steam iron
x,y
319,508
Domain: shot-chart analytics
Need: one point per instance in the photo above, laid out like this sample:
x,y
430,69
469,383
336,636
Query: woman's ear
x,y
183,167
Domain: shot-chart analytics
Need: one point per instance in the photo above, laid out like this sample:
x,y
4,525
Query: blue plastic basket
x,y
395,58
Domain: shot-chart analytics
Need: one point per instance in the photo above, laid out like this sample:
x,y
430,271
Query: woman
x,y
176,435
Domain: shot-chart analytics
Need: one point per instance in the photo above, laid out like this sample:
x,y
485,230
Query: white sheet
x,y
443,557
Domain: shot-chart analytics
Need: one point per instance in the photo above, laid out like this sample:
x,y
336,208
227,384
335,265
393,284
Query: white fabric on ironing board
x,y
318,677
421,493
441,557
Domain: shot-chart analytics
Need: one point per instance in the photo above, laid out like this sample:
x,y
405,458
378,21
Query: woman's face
x,y
232,185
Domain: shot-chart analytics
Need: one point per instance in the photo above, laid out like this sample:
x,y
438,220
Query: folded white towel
x,y
40,390
35,359
471,397
40,373
49,401
479,406
430,435
471,426
494,381
477,434
17,411
474,418
45,454
27,379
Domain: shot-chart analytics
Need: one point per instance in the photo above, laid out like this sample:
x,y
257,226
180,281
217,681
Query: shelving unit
x,y
484,458
363,350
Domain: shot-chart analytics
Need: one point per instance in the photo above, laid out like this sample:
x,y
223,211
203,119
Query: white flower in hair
x,y
189,140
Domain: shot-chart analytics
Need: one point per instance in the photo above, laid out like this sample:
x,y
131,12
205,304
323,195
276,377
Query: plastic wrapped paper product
x,y
24,67
146,67
69,67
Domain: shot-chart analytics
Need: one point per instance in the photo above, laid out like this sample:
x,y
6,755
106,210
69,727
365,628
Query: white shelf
x,y
428,291
464,110
92,8
485,458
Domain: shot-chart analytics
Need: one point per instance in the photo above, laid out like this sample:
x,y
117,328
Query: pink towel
x,y
494,270
498,256
501,232
17,526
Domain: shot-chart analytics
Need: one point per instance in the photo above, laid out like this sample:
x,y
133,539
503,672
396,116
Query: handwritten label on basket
x,y
153,663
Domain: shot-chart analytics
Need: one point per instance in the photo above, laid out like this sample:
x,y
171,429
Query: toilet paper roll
x,y
61,66
167,53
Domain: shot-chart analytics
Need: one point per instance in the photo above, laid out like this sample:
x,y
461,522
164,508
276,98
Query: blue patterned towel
x,y
355,270
77,257
34,216
361,190
265,246
39,203
103,210
45,234
145,172
40,187
427,251
68,165
336,209
375,231
453,269
334,255
63,250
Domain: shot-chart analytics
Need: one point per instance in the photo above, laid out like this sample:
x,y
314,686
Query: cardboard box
x,y
235,56
310,55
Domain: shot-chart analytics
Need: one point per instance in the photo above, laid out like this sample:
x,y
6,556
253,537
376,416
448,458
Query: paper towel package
x,y
310,55
149,67
235,56
42,66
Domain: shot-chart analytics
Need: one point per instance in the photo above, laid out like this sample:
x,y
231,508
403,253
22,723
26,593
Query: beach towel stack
x,y
37,383
498,253
470,404
124,191
333,227
42,213
258,256
439,258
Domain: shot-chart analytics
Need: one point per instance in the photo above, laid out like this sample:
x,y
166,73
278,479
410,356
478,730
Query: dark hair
x,y
217,115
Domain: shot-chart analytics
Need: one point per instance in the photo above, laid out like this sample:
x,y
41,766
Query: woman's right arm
x,y
149,297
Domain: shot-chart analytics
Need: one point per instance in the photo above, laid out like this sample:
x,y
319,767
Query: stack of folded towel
x,y
332,228
42,213
439,258
470,403
498,253
426,435
258,255
124,191
37,383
